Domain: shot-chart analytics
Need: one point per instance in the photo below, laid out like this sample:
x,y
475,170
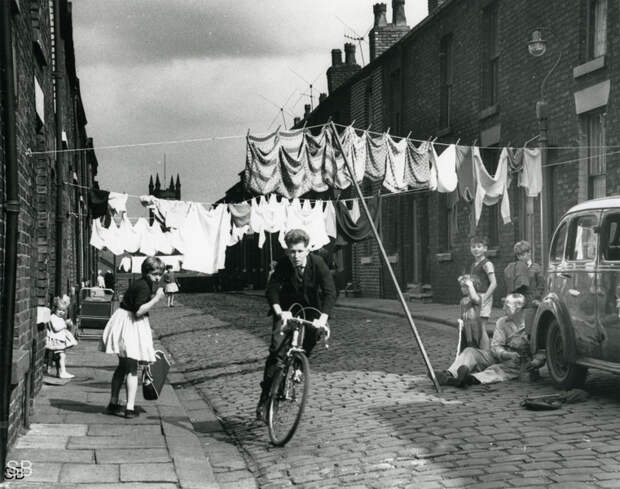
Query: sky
x,y
169,70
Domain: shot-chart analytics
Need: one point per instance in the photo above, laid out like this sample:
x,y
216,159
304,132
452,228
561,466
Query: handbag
x,y
154,376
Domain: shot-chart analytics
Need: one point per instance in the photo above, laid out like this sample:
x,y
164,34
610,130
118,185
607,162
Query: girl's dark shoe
x,y
130,413
113,409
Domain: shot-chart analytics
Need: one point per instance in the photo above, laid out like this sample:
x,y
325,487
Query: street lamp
x,y
537,47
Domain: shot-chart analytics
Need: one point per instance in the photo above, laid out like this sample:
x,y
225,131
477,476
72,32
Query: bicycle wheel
x,y
288,398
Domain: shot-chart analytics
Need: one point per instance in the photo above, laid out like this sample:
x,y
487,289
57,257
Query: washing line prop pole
x,y
385,258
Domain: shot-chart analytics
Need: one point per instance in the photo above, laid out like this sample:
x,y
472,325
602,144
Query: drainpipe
x,y
60,167
11,208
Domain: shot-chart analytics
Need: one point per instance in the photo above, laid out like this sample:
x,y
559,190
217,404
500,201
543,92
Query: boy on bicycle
x,y
298,278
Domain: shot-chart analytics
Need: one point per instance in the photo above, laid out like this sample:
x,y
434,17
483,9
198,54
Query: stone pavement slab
x,y
73,443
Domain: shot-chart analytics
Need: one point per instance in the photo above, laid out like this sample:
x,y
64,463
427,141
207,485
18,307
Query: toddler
x,y
59,338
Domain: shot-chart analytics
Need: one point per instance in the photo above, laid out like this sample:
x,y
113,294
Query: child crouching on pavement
x,y
475,353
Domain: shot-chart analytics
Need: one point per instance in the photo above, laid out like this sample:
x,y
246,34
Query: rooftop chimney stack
x,y
379,9
434,5
322,97
349,54
336,57
383,35
307,109
296,121
398,12
340,72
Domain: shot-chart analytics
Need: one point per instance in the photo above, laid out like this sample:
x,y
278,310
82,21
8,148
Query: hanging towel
x,y
531,177
117,202
308,218
417,169
465,173
98,234
131,239
376,157
350,231
489,189
170,213
240,213
446,169
205,235
395,167
98,202
329,215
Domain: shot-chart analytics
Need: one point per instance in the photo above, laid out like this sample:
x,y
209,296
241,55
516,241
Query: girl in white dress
x,y
59,338
128,334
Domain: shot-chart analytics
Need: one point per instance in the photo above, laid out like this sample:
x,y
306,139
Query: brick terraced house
x,y
44,226
472,71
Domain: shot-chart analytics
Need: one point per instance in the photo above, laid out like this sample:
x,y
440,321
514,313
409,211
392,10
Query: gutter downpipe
x,y
11,206
60,92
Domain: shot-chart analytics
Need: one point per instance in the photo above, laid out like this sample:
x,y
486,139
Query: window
x,y
445,80
610,238
557,247
490,52
581,244
597,28
594,132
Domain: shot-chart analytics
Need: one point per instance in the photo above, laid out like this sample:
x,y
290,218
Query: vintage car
x,y
578,321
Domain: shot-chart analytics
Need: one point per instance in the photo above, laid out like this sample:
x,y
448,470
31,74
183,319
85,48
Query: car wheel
x,y
564,375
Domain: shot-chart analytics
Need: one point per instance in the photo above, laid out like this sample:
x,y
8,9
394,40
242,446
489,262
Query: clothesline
x,y
29,152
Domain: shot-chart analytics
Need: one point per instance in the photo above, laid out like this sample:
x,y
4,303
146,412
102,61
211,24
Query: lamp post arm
x,y
542,85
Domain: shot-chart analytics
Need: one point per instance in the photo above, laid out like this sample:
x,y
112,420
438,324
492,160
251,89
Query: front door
x,y
609,286
580,296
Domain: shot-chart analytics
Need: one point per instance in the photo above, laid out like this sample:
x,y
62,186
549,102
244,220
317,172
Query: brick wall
x,y
32,38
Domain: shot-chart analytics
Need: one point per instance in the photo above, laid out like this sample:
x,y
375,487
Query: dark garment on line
x,y
98,202
139,292
352,232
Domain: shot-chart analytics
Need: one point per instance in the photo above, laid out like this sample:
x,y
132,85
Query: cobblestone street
x,y
374,420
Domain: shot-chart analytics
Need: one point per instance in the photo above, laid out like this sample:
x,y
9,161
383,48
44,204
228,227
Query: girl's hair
x,y
168,267
59,303
521,247
152,264
479,239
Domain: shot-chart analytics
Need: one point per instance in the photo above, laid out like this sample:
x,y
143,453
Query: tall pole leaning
x,y
384,255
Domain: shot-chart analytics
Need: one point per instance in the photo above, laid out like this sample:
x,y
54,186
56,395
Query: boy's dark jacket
x,y
317,290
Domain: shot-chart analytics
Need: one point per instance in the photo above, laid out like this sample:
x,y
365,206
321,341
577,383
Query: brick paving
x,y
374,419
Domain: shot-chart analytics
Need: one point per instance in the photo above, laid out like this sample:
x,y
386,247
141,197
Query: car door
x,y
609,285
556,270
581,294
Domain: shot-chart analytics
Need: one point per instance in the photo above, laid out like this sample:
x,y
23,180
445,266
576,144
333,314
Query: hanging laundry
x,y
335,172
125,265
489,189
170,213
293,164
129,235
316,148
445,165
308,218
376,157
355,211
465,173
350,231
117,202
160,240
262,165
98,202
98,234
205,235
417,168
329,216
267,216
531,177
114,239
147,241
175,240
515,159
432,180
237,234
240,213
395,180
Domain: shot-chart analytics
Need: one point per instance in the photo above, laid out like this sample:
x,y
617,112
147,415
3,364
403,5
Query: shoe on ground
x,y
113,409
65,375
445,378
131,413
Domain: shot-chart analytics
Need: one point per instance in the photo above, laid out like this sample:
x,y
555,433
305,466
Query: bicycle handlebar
x,y
305,322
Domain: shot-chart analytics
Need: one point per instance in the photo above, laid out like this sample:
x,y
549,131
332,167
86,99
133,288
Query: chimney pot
x,y
349,51
296,121
336,57
307,109
322,97
398,12
379,9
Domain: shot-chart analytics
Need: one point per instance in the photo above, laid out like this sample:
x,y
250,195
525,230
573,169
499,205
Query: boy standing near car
x,y
298,278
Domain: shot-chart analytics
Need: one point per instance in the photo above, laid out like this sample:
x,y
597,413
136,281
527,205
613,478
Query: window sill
x,y
589,67
488,112
444,132
444,257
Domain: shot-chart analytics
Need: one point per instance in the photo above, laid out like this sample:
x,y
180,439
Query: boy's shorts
x,y
485,308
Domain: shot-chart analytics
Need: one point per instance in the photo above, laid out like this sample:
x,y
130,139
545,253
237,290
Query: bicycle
x,y
291,385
